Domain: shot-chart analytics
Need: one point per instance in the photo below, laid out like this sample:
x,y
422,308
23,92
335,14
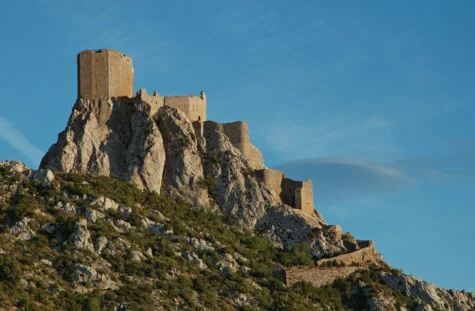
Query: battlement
x,y
298,194
104,74
193,106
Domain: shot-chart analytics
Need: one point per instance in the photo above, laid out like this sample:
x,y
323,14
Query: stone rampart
x,y
104,74
323,275
271,179
316,276
238,135
298,194
362,256
304,197
194,107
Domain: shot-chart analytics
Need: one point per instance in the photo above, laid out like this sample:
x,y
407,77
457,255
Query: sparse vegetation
x,y
208,183
41,273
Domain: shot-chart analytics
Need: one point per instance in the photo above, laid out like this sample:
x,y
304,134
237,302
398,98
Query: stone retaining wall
x,y
316,276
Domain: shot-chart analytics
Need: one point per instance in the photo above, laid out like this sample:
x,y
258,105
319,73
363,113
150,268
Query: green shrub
x,y
208,183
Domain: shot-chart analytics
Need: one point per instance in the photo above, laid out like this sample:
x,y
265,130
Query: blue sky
x,y
372,100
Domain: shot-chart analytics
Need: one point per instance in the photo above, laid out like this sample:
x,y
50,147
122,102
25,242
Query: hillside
x,y
143,204
83,242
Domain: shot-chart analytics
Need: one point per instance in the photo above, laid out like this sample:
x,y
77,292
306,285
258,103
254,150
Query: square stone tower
x,y
103,74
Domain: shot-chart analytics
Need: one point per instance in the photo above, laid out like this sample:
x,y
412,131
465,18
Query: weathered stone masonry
x,y
298,194
106,74
194,107
320,276
238,134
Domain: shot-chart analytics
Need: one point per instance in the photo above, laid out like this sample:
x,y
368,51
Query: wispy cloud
x,y
338,179
17,140
335,137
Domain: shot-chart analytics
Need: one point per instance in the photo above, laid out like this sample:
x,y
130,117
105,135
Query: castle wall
x,y
317,276
304,197
288,191
194,107
154,100
238,134
320,276
361,256
271,179
197,108
104,74
298,194
84,61
121,75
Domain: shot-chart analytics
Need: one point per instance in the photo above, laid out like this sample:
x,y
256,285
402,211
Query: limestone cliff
x,y
160,150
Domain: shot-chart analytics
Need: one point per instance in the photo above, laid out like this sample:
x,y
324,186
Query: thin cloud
x,y
338,179
18,141
334,137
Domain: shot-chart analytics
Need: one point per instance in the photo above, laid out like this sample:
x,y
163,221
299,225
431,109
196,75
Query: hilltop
x,y
142,203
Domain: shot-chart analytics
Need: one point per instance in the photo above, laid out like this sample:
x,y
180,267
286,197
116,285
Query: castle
x,y
107,74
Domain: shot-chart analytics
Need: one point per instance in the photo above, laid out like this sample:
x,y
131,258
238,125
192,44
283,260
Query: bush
x,y
207,183
299,255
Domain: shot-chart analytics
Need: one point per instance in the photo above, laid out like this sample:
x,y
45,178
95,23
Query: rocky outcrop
x,y
160,152
432,297
183,166
110,138
234,188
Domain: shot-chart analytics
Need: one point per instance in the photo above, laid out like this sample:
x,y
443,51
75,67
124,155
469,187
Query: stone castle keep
x,y
107,74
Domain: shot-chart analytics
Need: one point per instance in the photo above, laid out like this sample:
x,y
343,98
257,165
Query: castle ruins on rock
x,y
105,74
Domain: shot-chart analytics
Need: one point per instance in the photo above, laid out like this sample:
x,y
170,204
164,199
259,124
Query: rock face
x,y
434,298
161,150
112,139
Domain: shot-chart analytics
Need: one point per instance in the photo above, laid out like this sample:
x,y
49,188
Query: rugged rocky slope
x,y
85,242
159,151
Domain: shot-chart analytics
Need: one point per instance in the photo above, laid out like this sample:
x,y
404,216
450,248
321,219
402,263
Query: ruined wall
x,y
361,256
238,134
289,187
104,74
154,100
121,75
298,194
271,179
320,276
194,107
316,276
304,197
